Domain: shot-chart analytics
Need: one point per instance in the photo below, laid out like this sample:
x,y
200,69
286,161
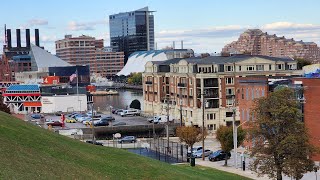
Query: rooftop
x,y
23,87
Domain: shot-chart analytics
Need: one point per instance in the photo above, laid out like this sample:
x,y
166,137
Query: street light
x,y
203,107
236,143
92,123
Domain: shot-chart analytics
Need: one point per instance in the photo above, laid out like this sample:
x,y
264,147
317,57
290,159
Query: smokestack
x,y
28,38
37,37
174,46
18,38
9,38
182,44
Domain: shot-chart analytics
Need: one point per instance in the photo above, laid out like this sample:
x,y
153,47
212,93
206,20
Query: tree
x,y
4,107
190,135
302,62
281,143
225,137
135,78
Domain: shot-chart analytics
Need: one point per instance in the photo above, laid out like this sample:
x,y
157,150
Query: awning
x,y
32,104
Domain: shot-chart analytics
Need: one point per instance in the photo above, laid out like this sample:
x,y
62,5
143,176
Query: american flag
x,y
74,75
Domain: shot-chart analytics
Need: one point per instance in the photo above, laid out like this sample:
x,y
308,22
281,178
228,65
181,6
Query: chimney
x,y
9,38
18,38
182,44
28,38
174,45
37,37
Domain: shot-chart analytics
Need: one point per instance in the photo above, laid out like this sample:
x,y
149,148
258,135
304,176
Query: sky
x,y
203,25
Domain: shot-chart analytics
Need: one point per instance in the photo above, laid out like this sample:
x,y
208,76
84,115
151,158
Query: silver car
x,y
198,154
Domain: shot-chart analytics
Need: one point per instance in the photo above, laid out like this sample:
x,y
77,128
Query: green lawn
x,y
30,152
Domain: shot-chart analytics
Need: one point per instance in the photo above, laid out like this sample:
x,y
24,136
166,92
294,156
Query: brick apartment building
x,y
86,50
308,96
256,42
182,81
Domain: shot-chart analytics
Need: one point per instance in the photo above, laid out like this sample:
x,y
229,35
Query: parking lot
x,y
129,120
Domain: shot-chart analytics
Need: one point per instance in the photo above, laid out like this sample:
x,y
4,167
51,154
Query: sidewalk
x,y
230,168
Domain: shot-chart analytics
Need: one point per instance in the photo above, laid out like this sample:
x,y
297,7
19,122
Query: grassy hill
x,y
30,152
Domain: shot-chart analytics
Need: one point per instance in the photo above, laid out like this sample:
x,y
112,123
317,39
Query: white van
x,y
161,119
130,112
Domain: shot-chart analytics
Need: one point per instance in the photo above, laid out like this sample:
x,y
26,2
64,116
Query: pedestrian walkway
x,y
230,168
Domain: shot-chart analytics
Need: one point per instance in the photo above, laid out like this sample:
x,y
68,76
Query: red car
x,y
55,123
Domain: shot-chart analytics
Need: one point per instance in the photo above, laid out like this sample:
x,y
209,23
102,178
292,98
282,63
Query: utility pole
x,y
167,101
180,107
203,106
235,138
92,123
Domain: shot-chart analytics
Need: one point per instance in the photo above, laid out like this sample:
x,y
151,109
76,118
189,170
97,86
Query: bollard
x,y
243,165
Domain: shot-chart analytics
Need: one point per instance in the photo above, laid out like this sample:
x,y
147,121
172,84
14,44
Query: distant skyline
x,y
205,26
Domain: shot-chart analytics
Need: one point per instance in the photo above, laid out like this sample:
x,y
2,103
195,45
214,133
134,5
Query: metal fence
x,y
156,148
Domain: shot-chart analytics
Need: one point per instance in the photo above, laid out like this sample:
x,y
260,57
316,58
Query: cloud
x,y
86,26
212,39
34,22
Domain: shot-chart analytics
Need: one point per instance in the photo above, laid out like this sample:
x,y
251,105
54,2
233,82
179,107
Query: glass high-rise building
x,y
132,31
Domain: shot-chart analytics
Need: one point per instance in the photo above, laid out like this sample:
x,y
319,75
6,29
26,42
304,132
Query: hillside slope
x,y
30,152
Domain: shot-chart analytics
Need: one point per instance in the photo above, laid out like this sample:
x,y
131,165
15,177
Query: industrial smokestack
x,y
174,46
18,38
9,38
182,44
28,38
37,37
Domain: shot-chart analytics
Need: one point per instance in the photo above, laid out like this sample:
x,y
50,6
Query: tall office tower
x,y
132,31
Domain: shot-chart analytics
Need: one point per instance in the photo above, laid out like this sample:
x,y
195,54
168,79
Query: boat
x,y
105,93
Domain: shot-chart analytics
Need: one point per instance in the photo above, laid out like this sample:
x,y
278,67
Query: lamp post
x,y
203,107
92,123
236,143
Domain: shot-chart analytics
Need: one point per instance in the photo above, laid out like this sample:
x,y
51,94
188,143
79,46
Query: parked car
x,y
54,123
219,155
119,124
101,123
130,112
128,139
107,118
118,111
113,111
71,114
36,116
89,113
71,120
199,153
83,118
193,150
58,113
95,143
161,119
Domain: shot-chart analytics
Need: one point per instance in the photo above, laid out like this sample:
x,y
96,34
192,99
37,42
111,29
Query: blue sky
x,y
204,25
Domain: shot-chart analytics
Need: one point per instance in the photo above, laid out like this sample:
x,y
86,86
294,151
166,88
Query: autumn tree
x,y
190,135
281,143
4,107
225,137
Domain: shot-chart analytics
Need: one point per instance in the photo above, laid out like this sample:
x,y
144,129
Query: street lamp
x,y
92,123
203,107
236,143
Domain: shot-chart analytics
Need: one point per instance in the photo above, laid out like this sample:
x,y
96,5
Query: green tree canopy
x,y
135,78
302,62
225,137
281,143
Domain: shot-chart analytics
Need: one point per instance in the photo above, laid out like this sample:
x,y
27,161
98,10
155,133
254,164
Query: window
x,y
190,113
191,92
214,127
247,93
229,91
242,114
229,114
239,68
252,93
250,68
229,80
270,67
262,92
279,66
260,67
190,81
229,102
229,68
